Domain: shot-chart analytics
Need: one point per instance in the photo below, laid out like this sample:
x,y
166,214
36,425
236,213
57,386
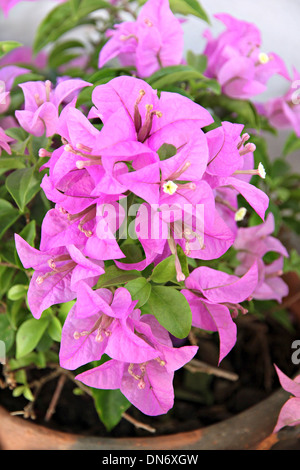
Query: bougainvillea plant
x,y
138,202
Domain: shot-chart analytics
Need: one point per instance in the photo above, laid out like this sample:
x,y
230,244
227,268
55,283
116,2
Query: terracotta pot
x,y
249,430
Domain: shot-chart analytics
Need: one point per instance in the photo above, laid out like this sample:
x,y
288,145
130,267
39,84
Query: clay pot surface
x,y
249,430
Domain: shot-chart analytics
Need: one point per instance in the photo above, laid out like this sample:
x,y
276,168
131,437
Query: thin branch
x,y
55,398
195,366
137,423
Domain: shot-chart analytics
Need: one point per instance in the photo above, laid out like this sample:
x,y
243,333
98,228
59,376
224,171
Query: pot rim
x,y
251,429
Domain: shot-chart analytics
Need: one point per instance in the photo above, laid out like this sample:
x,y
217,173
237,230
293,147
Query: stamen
x,y
124,38
89,216
40,279
144,131
38,100
247,149
275,274
141,384
137,116
91,159
148,22
101,325
48,86
160,361
179,274
72,217
78,335
178,173
80,164
83,147
130,370
52,261
260,171
191,186
245,137
44,153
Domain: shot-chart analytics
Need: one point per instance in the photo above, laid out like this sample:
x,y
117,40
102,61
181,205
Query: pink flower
x,y
252,243
93,229
147,385
5,140
290,412
284,112
235,59
7,77
100,322
56,274
40,114
212,294
153,41
234,173
23,55
195,226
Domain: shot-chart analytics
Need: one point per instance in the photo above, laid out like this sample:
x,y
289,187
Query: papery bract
x,y
212,294
283,111
100,323
5,142
40,114
236,61
253,243
148,385
290,412
56,274
153,41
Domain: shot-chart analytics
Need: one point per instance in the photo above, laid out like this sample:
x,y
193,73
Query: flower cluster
x,y
153,41
179,201
152,169
236,60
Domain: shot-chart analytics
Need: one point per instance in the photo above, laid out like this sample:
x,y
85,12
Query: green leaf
x,y
28,394
164,271
17,292
292,144
189,7
173,74
58,53
198,61
8,215
6,275
7,46
110,405
17,133
140,290
166,151
23,185
7,334
29,232
63,18
183,261
171,309
114,276
54,329
29,335
11,163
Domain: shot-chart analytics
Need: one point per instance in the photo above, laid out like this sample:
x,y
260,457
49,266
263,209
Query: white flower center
x,y
170,187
